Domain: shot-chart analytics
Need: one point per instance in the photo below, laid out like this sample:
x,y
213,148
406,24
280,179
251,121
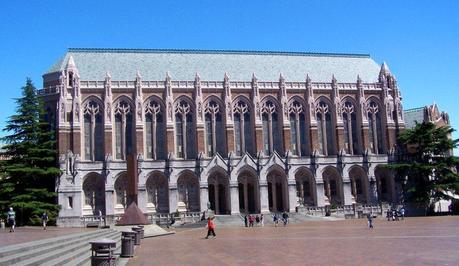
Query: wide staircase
x,y
72,249
238,220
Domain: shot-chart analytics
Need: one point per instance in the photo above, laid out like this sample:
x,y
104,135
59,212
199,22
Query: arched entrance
x,y
249,196
333,186
384,183
188,193
157,193
219,196
120,193
277,192
94,194
359,184
305,188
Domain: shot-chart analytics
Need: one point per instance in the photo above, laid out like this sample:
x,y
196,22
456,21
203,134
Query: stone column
x,y
173,198
292,196
204,196
246,201
110,202
320,194
142,199
234,197
217,202
373,190
264,203
347,195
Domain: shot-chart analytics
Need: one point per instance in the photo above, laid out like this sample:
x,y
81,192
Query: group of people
x,y
284,218
394,214
11,219
250,220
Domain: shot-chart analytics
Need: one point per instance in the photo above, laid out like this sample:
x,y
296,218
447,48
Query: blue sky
x,y
418,39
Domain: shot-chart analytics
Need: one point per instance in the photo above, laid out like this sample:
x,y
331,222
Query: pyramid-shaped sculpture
x,y
133,216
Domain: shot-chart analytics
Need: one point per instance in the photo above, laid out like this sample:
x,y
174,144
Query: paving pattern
x,y
415,241
32,233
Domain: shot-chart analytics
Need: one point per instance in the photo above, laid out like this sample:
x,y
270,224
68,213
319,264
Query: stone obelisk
x,y
132,215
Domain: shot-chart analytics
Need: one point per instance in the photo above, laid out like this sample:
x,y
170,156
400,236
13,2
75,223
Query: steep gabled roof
x,y
123,64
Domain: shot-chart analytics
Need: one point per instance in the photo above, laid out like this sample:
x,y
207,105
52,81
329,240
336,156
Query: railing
x,y
346,210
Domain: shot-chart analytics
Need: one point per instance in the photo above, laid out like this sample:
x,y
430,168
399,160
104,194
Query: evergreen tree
x,y
30,166
426,167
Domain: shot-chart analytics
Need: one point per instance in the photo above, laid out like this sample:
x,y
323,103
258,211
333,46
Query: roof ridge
x,y
413,109
210,51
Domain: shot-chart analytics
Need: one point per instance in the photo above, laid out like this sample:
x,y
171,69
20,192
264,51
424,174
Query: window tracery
x,y
184,130
298,131
154,131
93,131
123,129
375,127
325,128
214,129
243,131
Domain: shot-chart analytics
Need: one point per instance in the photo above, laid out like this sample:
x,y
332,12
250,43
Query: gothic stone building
x,y
244,131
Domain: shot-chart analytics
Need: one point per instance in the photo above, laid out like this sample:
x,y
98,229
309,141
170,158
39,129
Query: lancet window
x,y
375,127
243,130
93,132
272,139
123,129
215,141
325,129
298,131
184,131
155,131
351,143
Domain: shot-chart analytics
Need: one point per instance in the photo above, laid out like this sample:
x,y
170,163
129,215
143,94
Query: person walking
x,y
251,220
11,217
285,218
44,219
370,220
210,228
275,219
402,213
246,222
262,220
257,219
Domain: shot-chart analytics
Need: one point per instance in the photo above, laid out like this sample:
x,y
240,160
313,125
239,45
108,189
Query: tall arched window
x,y
215,141
243,130
123,129
298,132
272,136
375,128
185,134
351,143
155,131
325,129
93,132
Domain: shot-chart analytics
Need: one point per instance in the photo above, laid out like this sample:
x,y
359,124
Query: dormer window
x,y
70,79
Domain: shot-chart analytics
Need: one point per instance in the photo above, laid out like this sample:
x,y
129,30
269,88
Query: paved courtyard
x,y
32,233
415,241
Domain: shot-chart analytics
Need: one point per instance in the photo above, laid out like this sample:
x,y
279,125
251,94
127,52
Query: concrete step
x,y
13,249
84,258
50,246
78,251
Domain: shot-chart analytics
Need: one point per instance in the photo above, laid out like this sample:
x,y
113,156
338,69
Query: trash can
x,y
102,252
137,235
127,243
142,232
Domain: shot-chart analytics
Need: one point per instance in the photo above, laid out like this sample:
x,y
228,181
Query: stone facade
x,y
243,146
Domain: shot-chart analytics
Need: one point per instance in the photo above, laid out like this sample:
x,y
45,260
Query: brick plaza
x,y
415,241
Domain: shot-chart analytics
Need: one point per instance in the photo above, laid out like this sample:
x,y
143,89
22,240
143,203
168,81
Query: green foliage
x,y
30,168
426,167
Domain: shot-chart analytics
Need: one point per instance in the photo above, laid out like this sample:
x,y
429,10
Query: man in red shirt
x,y
210,227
